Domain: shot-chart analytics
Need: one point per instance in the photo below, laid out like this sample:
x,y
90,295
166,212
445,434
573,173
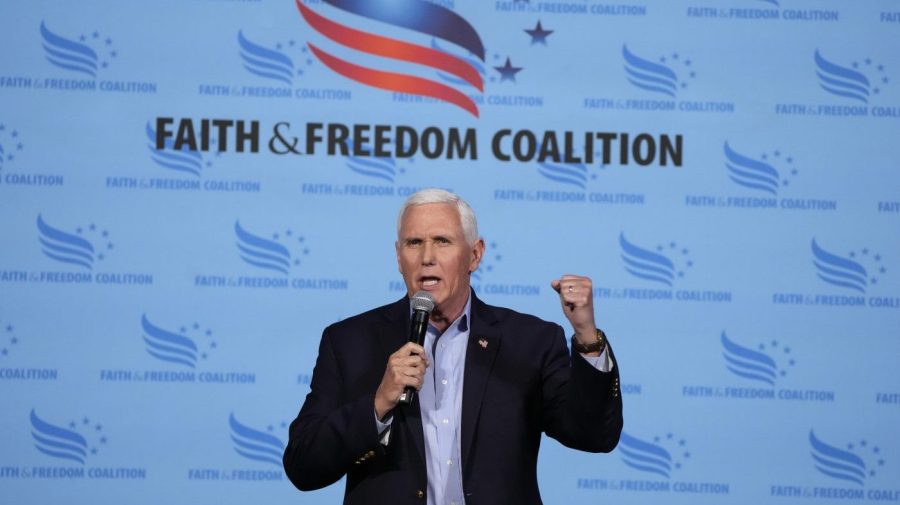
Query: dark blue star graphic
x,y
538,34
508,71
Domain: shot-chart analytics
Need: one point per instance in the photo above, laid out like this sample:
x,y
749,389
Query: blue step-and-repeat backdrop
x,y
191,191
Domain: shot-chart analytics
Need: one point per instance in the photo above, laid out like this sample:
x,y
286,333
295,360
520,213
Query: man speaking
x,y
484,383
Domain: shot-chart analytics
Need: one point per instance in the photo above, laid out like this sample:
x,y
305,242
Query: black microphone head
x,y
422,300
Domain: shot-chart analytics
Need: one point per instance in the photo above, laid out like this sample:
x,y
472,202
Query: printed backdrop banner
x,y
192,191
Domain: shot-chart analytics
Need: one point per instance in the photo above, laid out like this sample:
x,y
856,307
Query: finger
x,y
413,348
574,284
415,380
409,349
556,285
404,377
411,361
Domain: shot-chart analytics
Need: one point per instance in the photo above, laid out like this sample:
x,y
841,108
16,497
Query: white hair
x,y
434,195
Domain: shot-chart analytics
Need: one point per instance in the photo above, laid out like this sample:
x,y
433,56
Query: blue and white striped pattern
x,y
839,271
649,75
68,54
168,346
65,247
646,264
645,456
265,62
260,252
837,463
842,81
751,173
255,444
747,363
56,441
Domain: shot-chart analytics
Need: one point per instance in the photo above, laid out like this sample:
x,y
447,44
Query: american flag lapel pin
x,y
483,343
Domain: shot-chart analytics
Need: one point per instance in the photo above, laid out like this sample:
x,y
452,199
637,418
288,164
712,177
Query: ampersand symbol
x,y
285,145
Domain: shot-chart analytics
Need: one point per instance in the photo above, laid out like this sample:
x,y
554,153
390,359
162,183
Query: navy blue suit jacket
x,y
522,383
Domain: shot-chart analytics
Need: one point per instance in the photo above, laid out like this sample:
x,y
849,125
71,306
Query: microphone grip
x,y
416,334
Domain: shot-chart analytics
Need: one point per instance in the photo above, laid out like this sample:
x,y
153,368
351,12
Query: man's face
x,y
434,256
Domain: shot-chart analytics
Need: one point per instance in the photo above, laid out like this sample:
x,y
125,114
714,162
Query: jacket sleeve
x,y
582,406
331,433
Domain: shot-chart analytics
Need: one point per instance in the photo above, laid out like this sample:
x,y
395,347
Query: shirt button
x,y
444,382
449,461
446,420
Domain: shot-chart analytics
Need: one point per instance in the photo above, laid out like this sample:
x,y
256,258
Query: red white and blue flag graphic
x,y
416,15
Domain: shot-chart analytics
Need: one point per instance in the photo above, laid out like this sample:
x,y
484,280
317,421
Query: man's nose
x,y
428,253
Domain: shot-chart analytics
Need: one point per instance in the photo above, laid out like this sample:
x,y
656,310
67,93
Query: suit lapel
x,y
395,333
392,336
481,350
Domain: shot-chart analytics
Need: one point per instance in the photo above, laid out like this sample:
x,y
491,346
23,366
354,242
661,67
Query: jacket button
x,y
370,454
420,494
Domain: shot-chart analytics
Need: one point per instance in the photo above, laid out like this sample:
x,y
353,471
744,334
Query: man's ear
x,y
477,254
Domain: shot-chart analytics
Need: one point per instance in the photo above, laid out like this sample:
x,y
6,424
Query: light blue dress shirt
x,y
440,401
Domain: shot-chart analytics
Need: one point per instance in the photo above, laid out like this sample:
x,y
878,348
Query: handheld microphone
x,y
422,304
